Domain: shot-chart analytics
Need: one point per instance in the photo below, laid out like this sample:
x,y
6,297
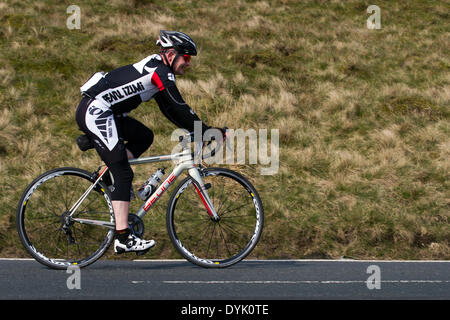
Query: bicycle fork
x,y
201,188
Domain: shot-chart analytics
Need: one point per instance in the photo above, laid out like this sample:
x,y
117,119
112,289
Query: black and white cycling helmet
x,y
180,41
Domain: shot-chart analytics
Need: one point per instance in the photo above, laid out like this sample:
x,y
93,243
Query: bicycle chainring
x,y
136,225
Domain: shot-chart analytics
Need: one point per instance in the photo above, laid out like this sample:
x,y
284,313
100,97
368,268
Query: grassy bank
x,y
363,115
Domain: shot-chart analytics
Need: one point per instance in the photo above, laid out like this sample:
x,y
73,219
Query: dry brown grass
x,y
363,115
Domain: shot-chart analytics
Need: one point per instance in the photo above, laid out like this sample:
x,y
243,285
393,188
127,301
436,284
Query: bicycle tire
x,y
40,219
237,233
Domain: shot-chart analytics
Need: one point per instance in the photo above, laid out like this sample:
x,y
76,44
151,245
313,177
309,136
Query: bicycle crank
x,y
136,225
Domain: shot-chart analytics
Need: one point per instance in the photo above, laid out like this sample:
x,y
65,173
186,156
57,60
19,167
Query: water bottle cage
x,y
146,191
151,185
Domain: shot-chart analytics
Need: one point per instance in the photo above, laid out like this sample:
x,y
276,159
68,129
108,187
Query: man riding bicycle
x,y
103,116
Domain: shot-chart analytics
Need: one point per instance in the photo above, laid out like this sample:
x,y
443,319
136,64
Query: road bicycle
x,y
214,216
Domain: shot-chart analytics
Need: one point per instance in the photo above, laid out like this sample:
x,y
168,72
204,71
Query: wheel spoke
x,y
209,244
224,240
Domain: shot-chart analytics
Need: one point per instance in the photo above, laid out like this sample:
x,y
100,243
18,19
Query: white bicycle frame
x,y
185,161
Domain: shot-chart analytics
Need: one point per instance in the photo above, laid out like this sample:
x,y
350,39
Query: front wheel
x,y
205,241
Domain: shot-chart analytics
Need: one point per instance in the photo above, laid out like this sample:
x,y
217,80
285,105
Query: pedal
x,y
207,186
119,251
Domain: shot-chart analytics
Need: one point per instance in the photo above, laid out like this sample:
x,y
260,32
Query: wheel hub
x,y
66,222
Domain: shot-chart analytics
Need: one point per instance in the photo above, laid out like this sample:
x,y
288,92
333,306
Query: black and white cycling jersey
x,y
124,88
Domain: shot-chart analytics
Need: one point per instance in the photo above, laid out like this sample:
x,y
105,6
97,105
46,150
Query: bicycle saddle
x,y
84,143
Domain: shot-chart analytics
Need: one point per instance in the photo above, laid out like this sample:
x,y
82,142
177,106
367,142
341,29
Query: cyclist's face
x,y
181,63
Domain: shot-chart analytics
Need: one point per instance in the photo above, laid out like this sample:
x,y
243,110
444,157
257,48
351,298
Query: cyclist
x,y
103,116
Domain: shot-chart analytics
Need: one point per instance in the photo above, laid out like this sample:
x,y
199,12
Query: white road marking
x,y
286,281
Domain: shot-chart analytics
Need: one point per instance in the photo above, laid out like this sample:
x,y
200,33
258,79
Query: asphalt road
x,y
248,280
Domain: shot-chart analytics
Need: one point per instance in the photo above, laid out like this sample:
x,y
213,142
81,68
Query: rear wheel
x,y
204,241
50,234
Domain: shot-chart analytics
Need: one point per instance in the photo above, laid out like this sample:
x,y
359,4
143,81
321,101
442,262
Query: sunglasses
x,y
187,57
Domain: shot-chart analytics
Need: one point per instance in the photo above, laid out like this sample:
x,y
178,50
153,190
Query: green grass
x,y
363,115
